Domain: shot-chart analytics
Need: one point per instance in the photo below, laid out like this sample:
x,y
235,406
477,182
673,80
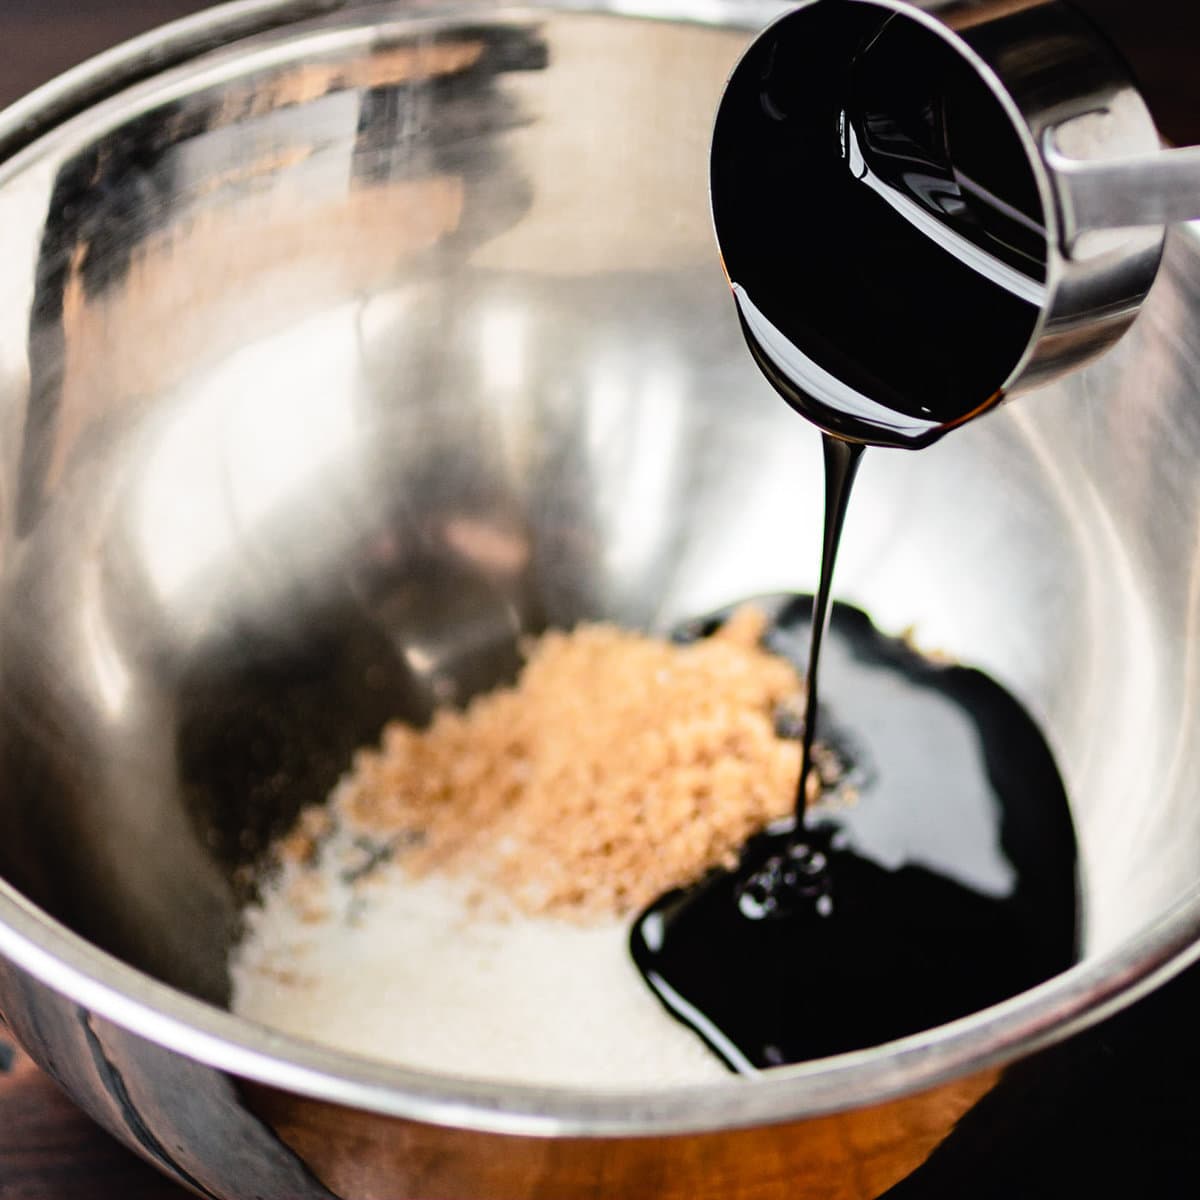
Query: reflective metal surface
x,y
334,359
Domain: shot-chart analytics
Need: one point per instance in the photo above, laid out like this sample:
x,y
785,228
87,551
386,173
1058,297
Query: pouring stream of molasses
x,y
841,467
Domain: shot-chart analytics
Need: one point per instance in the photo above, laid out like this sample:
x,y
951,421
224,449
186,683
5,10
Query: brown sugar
x,y
617,767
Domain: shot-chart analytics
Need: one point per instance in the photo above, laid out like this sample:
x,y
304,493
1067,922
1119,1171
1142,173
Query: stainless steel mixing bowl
x,y
339,345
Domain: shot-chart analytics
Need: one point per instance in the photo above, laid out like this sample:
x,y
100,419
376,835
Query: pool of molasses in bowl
x,y
341,347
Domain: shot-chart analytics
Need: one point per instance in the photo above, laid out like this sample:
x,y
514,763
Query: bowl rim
x,y
48,952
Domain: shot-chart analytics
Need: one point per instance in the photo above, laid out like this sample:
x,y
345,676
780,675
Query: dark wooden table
x,y
48,1149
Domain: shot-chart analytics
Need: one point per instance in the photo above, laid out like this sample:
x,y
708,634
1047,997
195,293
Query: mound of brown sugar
x,y
617,767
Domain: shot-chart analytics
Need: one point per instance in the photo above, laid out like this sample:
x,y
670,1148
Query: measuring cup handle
x,y
1147,189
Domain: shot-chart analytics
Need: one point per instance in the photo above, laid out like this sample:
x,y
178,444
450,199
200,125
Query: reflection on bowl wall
x,y
335,358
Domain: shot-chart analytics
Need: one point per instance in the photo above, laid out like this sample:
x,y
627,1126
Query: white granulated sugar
x,y
410,972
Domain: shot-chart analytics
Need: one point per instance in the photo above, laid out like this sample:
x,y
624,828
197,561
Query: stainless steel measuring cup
x,y
1075,123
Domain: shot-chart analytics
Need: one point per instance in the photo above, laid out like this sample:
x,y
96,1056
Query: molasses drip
x,y
841,467
949,885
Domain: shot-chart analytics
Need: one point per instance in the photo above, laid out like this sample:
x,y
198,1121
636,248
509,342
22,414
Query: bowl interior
x,y
333,362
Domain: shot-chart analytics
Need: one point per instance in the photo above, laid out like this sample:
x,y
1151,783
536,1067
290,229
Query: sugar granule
x,y
617,767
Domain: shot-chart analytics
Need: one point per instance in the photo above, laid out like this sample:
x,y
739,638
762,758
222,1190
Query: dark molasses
x,y
881,227
948,886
